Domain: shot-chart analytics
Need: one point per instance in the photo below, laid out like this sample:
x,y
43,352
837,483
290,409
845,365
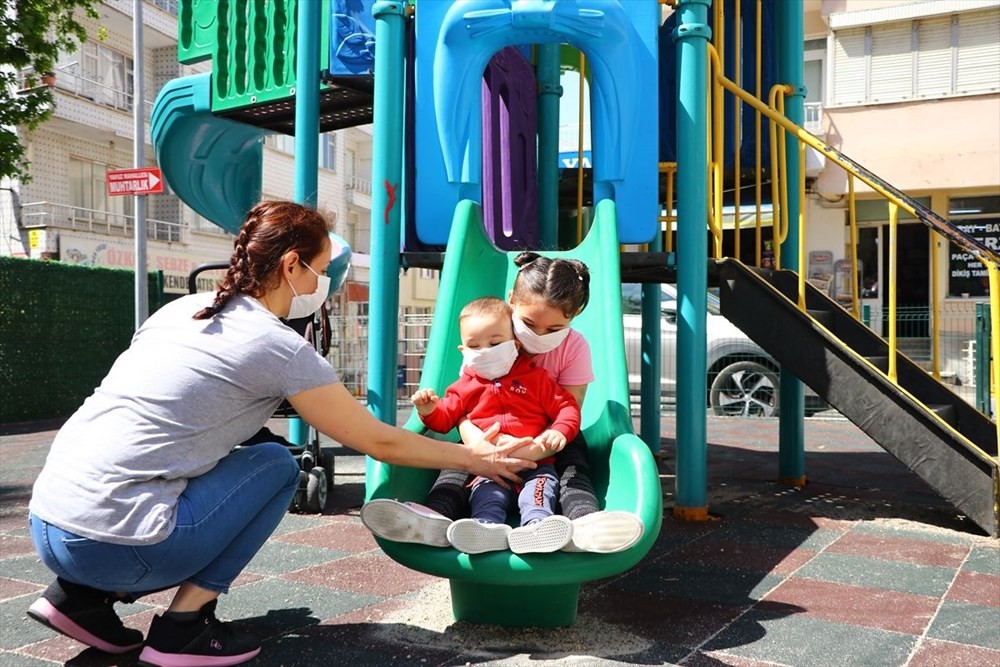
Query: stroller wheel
x,y
328,462
299,499
316,490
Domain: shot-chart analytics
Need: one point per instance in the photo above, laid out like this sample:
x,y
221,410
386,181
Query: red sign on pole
x,y
143,181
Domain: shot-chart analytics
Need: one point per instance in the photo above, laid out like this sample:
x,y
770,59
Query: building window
x,y
328,151
97,73
281,142
199,223
926,58
89,196
979,217
429,274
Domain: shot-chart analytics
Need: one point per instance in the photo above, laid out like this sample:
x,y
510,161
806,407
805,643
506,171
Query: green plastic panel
x,y
251,45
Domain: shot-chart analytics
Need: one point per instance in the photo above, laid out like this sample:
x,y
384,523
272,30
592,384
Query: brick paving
x,y
863,566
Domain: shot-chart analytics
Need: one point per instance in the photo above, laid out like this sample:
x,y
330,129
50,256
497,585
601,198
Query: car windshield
x,y
632,299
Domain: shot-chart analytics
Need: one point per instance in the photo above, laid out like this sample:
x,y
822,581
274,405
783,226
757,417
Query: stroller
x,y
316,465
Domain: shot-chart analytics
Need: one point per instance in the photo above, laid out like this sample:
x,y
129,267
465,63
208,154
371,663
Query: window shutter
x,y
934,57
892,62
849,66
978,67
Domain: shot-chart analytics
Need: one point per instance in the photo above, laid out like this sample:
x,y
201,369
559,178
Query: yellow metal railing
x,y
668,170
781,129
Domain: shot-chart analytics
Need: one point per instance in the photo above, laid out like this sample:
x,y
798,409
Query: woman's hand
x,y
334,412
494,461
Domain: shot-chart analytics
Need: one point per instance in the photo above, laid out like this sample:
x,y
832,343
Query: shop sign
x,y
967,276
176,265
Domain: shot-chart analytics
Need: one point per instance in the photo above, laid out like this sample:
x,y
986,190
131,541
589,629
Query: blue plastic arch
x,y
454,44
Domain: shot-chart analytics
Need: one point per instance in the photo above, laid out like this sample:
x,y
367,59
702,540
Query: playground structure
x,y
417,72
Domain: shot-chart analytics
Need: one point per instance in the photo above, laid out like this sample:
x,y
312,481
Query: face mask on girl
x,y
490,363
304,305
538,344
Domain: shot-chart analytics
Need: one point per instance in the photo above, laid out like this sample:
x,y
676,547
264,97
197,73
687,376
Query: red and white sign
x,y
144,181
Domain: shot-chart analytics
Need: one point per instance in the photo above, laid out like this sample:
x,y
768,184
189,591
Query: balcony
x,y
48,215
359,192
75,97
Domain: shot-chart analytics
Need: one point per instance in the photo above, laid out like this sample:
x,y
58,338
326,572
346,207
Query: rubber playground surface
x,y
863,566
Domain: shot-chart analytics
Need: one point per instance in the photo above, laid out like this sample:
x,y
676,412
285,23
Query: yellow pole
x,y
776,184
758,189
852,215
668,240
891,286
579,162
994,274
737,112
717,149
802,226
935,310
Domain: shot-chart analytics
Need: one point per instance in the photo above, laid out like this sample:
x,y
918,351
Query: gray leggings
x,y
450,493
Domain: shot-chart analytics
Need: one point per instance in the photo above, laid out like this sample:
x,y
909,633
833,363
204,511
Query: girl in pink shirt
x,y
547,295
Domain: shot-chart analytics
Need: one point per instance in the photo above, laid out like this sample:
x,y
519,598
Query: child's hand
x,y
425,400
551,440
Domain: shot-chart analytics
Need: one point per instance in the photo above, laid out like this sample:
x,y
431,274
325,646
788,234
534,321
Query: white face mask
x,y
490,363
534,343
304,305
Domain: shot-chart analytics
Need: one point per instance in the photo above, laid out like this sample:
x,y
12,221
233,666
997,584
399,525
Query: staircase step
x,y
824,317
945,411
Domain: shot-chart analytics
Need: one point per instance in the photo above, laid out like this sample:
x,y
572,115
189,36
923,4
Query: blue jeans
x,y
223,519
536,497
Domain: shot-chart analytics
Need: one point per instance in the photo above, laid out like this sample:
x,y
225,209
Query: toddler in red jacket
x,y
498,385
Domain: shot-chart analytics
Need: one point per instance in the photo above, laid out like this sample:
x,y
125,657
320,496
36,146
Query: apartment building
x,y
911,91
64,213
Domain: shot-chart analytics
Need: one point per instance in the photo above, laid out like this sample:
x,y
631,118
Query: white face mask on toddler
x,y
304,305
538,344
490,363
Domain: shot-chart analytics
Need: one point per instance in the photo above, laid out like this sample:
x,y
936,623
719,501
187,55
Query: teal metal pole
x,y
549,92
791,436
306,132
387,174
650,402
692,34
982,361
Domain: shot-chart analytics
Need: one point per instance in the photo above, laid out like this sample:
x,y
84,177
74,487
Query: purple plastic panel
x,y
510,183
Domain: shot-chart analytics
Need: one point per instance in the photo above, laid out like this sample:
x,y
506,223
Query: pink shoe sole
x,y
42,611
150,657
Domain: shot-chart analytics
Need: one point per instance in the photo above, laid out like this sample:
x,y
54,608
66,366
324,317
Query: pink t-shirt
x,y
569,364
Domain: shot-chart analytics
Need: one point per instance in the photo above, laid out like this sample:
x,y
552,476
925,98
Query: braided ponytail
x,y
271,229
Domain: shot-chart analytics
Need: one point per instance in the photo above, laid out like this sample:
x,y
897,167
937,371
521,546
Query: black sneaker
x,y
205,641
86,615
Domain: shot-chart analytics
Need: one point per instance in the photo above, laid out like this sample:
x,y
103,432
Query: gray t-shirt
x,y
175,402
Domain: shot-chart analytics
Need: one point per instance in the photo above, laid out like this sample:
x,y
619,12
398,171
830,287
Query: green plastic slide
x,y
533,589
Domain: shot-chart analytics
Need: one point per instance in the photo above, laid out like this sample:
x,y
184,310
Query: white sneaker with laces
x,y
605,532
550,534
474,537
405,522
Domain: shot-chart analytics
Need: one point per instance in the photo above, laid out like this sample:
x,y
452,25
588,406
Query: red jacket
x,y
526,402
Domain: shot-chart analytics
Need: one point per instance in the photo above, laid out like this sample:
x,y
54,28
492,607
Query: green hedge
x,y
61,328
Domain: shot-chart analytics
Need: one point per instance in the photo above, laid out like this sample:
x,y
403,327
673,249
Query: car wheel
x,y
745,389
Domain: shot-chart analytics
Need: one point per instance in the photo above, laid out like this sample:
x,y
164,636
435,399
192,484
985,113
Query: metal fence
x,y
741,378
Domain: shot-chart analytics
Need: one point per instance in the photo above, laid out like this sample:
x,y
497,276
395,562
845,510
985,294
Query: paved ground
x,y
864,566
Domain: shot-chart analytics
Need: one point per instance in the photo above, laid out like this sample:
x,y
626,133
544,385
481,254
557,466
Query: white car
x,y
742,377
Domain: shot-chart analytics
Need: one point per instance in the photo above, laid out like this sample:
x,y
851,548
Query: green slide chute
x,y
534,589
